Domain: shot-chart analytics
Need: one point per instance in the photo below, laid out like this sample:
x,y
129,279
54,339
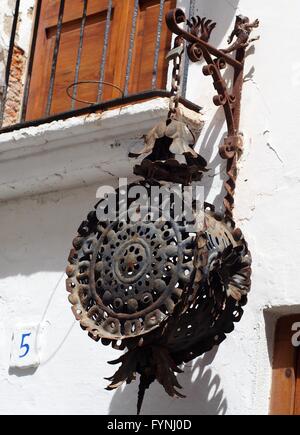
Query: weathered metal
x,y
171,138
241,31
125,278
55,55
217,60
163,144
74,87
115,103
9,61
79,51
154,286
176,56
105,49
207,310
165,294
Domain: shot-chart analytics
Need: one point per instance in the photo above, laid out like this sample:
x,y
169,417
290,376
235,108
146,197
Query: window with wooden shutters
x,y
285,395
121,42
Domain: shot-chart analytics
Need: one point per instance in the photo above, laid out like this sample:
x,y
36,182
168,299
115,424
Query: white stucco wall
x,y
36,234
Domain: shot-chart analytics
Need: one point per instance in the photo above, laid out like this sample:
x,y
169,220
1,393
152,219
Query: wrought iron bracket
x,y
197,34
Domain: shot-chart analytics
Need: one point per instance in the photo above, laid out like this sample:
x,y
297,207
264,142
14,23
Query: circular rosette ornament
x,y
126,276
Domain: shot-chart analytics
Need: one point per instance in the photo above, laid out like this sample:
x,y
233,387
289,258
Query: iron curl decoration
x,y
197,36
156,288
195,52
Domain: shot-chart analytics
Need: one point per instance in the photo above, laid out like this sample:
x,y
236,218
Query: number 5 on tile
x,y
24,350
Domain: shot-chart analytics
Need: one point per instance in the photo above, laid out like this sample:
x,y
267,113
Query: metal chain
x,y
176,55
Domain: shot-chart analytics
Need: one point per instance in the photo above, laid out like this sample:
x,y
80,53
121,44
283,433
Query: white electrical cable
x,y
36,345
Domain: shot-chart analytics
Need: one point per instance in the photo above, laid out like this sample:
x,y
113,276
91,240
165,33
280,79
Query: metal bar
x,y
231,166
104,51
31,59
78,61
212,50
131,45
186,58
9,58
157,44
55,55
172,21
237,89
101,107
12,41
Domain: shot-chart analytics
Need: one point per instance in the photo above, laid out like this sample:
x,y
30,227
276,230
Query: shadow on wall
x,y
217,166
223,12
213,137
37,238
202,388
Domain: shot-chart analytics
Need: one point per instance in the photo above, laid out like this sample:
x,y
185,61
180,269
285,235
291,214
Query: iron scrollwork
x,y
199,48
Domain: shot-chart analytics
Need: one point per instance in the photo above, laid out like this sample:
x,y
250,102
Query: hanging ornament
x,y
167,289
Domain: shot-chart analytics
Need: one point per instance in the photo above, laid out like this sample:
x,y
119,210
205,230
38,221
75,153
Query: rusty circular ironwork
x,y
125,278
226,281
166,294
208,309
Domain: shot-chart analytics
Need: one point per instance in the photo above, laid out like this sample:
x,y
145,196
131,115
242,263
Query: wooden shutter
x,y
297,392
66,62
91,54
285,394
